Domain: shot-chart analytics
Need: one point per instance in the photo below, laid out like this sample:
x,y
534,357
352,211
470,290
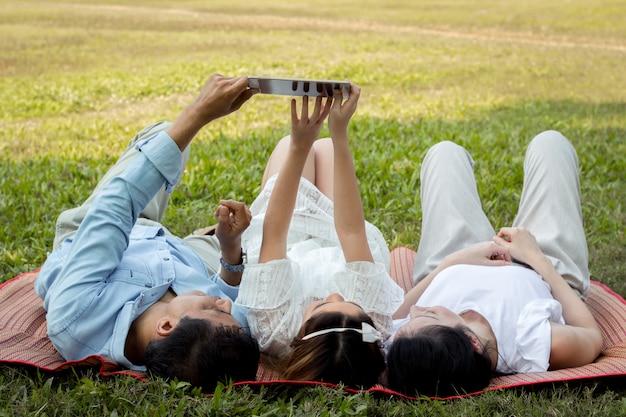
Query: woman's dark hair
x,y
337,357
439,361
202,354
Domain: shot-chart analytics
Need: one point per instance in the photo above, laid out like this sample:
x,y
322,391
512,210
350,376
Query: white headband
x,y
369,333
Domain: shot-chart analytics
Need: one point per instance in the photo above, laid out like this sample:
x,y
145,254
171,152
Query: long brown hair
x,y
337,357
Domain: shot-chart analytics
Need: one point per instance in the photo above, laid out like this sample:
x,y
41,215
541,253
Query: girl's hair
x,y
438,361
336,357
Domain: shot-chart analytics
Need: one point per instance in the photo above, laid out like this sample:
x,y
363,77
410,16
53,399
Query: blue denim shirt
x,y
98,282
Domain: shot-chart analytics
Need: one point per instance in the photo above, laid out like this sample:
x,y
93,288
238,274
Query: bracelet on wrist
x,y
235,268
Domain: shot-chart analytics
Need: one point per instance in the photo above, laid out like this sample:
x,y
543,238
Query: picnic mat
x,y
23,338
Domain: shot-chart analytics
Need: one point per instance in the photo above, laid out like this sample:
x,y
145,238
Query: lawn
x,y
79,78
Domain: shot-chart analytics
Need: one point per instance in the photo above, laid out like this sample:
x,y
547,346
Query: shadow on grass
x,y
387,156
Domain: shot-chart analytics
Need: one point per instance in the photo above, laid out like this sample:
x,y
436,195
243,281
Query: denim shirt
x,y
98,282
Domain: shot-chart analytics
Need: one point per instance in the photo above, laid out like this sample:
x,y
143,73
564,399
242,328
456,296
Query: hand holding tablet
x,y
299,86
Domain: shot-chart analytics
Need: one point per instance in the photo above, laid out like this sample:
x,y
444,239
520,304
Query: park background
x,y
79,78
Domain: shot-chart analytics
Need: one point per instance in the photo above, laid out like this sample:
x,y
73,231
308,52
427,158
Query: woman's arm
x,y
304,131
348,209
579,341
486,253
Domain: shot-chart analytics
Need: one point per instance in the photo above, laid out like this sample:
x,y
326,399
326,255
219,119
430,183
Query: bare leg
x,y
324,166
278,157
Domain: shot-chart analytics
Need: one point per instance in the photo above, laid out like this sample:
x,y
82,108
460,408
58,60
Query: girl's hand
x,y
341,113
521,244
306,129
486,253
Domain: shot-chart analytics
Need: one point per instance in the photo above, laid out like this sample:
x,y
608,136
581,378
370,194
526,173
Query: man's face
x,y
198,305
421,317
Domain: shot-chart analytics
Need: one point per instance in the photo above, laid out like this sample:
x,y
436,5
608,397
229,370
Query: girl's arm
x,y
578,342
304,131
348,209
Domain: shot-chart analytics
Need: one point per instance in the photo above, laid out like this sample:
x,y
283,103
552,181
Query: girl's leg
x,y
550,206
324,166
278,157
452,214
69,220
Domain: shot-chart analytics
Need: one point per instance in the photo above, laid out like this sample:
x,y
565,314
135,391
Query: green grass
x,y
78,79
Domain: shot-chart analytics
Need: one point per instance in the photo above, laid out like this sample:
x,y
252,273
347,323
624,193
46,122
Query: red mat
x,y
23,338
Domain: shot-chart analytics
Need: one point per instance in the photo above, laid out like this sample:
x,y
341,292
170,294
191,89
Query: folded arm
x,y
486,253
579,341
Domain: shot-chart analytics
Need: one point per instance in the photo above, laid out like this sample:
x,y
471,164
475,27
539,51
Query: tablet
x,y
299,86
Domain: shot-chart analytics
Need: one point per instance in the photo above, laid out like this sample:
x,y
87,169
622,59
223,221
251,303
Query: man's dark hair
x,y
439,361
338,357
204,354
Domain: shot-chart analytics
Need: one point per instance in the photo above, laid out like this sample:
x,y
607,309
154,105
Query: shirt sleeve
x,y
369,285
104,233
232,291
534,335
275,303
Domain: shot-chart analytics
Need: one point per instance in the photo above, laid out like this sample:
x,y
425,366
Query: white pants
x,y
453,218
68,221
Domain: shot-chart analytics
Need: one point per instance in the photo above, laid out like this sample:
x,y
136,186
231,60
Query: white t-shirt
x,y
516,302
278,292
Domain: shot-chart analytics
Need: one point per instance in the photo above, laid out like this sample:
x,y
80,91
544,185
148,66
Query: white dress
x,y
278,292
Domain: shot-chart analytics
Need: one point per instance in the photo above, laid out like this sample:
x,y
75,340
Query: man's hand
x,y
219,97
233,218
521,243
486,253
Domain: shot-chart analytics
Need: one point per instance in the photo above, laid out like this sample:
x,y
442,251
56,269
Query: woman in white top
x,y
485,302
316,284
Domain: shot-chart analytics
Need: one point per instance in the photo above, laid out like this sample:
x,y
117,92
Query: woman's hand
x,y
341,112
521,244
305,130
486,253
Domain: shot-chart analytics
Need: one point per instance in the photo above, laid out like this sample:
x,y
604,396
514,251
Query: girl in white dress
x,y
317,286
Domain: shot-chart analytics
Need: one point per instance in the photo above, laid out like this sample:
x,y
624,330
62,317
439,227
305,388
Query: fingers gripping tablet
x,y
299,86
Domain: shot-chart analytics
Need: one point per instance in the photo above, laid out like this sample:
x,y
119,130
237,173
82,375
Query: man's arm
x,y
486,253
580,341
233,219
103,235
219,97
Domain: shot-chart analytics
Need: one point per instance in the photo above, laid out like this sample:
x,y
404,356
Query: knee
x,y
446,150
445,146
323,143
550,141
